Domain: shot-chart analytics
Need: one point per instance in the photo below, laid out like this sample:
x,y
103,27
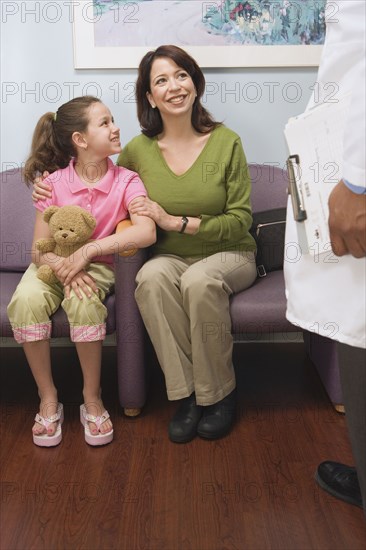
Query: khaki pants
x,y
184,303
34,302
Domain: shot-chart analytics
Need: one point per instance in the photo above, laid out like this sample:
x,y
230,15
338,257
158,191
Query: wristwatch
x,y
184,224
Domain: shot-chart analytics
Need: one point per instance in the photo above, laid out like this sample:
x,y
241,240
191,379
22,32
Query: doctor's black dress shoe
x,y
339,480
218,419
183,425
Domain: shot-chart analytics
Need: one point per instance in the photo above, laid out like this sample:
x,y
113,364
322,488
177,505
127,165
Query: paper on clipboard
x,y
315,143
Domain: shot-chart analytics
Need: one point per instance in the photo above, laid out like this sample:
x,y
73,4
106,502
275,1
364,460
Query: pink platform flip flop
x,y
45,440
94,440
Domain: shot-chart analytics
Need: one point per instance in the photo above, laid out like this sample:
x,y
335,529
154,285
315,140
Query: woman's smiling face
x,y
172,89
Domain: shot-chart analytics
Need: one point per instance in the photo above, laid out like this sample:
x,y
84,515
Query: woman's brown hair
x,y
52,146
150,120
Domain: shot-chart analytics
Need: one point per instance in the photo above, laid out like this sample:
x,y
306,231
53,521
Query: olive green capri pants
x,y
34,302
184,303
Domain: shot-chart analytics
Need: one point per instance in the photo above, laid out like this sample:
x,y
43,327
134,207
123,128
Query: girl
x,y
75,144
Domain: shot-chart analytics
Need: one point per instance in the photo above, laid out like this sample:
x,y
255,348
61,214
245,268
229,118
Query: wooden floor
x,y
252,490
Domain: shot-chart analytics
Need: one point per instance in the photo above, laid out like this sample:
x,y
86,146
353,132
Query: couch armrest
x,y
124,224
130,332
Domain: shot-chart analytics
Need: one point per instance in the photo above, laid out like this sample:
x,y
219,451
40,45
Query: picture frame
x,y
88,54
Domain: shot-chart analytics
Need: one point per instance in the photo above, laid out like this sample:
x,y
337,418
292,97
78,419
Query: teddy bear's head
x,y
69,224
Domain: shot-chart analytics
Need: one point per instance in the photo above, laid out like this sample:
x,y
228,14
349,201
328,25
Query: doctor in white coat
x,y
322,294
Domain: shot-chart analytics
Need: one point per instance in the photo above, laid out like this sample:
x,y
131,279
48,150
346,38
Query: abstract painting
x,y
220,33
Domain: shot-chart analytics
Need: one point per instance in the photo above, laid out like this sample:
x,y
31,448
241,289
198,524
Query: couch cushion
x,y
269,187
17,215
262,307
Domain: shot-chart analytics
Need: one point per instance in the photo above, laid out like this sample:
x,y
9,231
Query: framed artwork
x,y
219,33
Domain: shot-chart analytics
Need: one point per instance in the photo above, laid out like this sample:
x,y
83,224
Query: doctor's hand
x,y
347,221
41,190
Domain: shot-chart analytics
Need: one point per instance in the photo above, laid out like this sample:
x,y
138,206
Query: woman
x,y
197,179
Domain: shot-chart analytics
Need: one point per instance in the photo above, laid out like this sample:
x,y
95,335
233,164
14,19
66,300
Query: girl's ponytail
x,y
46,154
52,145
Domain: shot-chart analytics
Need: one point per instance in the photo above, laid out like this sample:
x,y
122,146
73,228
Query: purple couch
x,y
255,311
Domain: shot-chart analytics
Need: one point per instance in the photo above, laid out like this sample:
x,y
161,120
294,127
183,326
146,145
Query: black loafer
x,y
183,425
339,480
218,419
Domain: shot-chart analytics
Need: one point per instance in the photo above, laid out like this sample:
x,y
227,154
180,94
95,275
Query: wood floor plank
x,y
253,490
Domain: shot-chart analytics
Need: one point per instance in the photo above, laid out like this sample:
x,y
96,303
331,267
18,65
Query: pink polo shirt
x,y
107,201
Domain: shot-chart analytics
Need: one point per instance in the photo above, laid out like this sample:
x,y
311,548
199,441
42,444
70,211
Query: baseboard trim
x,y
8,342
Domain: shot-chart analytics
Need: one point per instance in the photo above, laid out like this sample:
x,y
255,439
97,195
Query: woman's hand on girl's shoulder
x,y
41,190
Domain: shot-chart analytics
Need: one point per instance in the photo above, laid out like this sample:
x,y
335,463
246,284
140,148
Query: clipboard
x,y
293,166
315,143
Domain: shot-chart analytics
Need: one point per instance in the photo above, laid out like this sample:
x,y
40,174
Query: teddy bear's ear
x,y
49,212
89,219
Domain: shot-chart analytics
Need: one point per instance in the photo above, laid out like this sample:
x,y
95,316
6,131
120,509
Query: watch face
x,y
184,224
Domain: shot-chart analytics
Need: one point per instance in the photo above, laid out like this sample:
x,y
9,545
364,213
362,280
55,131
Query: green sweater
x,y
215,188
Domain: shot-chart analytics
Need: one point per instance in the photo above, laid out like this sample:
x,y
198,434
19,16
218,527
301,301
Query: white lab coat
x,y
326,294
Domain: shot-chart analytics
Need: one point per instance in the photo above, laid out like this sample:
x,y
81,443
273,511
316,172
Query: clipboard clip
x,y
293,169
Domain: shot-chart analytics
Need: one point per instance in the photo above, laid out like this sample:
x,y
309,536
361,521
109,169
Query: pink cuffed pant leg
x,y
34,302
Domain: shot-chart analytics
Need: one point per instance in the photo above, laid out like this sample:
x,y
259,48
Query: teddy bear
x,y
70,227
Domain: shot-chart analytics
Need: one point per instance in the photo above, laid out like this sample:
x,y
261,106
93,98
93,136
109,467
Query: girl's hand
x,y
81,283
67,268
41,190
143,206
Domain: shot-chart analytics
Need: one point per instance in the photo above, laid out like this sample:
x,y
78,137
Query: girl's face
x,y
102,135
172,89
